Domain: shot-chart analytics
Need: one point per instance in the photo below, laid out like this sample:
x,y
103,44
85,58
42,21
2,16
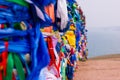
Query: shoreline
x,y
108,56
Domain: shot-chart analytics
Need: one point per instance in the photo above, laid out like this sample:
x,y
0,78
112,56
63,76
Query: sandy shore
x,y
99,68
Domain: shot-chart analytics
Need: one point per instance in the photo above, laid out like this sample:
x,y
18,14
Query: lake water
x,y
103,41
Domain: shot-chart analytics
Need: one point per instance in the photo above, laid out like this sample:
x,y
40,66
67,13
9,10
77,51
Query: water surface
x,y
103,41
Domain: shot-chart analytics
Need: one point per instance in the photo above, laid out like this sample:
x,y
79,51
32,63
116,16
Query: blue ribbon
x,y
13,13
29,41
21,46
39,53
43,2
9,32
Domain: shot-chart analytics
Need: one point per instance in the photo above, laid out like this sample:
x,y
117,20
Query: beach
x,y
99,68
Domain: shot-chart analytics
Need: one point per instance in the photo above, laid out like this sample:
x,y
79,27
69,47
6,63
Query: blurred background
x,y
103,24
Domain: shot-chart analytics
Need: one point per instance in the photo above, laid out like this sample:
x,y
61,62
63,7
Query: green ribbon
x,y
20,2
10,65
19,67
14,60
74,6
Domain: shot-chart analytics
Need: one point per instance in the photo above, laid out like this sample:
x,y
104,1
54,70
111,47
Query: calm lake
x,y
103,41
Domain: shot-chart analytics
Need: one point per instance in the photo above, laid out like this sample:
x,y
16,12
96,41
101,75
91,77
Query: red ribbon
x,y
1,6
5,55
52,55
3,61
13,76
51,51
1,26
1,75
57,68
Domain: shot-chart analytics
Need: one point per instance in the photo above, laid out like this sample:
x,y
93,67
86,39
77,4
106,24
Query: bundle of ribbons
x,y
41,39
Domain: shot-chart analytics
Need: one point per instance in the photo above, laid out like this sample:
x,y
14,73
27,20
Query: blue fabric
x,y
48,20
69,7
13,13
69,71
17,47
79,48
71,1
40,53
77,39
9,32
43,2
77,15
28,41
77,33
57,47
73,58
83,41
70,16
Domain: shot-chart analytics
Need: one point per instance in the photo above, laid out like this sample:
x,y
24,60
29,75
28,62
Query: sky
x,y
101,13
103,24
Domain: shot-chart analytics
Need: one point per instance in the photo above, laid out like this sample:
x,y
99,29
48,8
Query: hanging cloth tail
x,y
19,67
20,2
4,56
62,13
42,59
50,11
52,55
51,51
3,62
57,68
10,65
14,59
1,77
